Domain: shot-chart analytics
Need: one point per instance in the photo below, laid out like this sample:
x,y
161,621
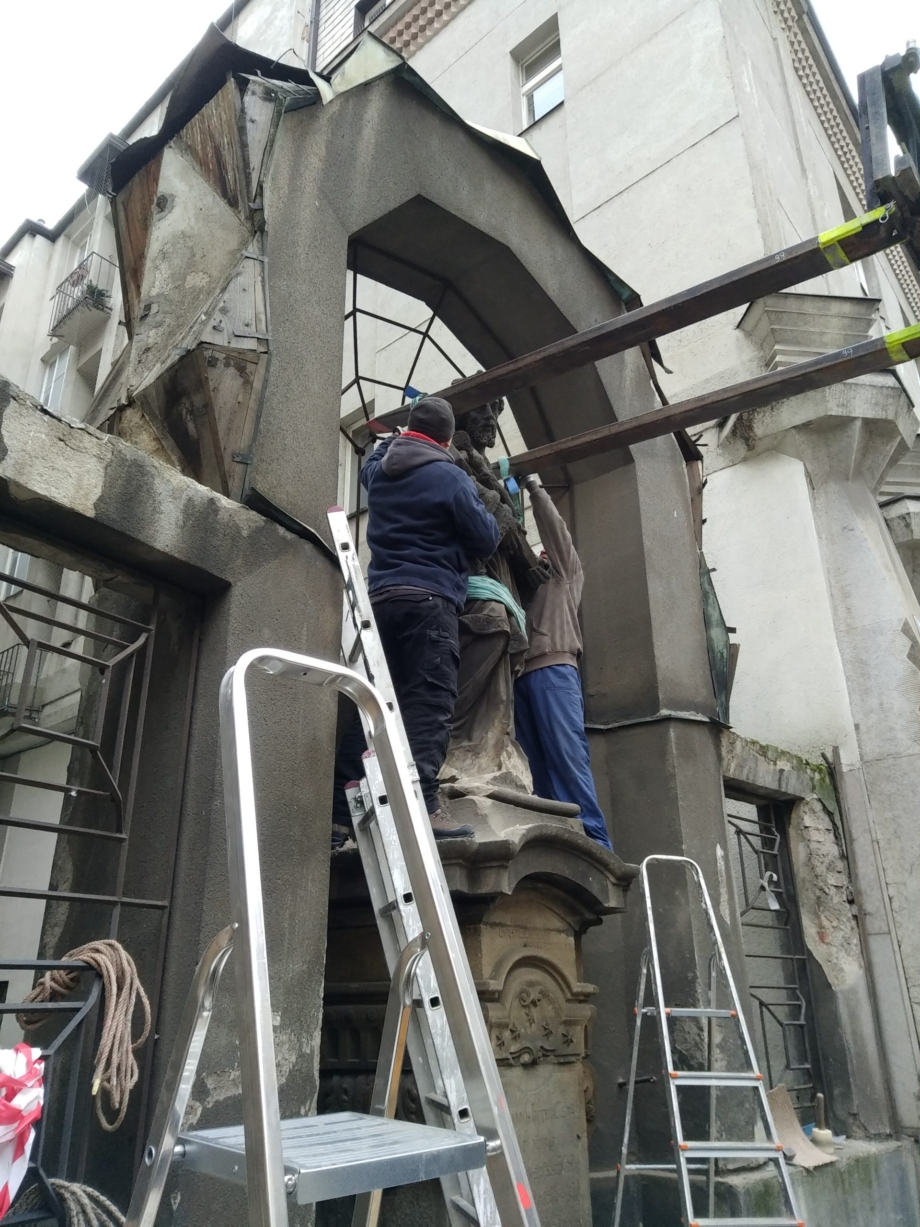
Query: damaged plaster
x,y
822,882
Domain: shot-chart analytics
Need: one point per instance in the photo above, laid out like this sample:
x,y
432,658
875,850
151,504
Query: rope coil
x,y
115,1070
84,1207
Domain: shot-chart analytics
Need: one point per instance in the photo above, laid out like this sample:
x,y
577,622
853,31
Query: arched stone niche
x,y
386,172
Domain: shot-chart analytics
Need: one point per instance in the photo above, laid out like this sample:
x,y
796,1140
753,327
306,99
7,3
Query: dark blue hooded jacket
x,y
426,519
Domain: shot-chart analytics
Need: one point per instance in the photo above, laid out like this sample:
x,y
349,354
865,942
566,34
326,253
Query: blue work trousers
x,y
549,721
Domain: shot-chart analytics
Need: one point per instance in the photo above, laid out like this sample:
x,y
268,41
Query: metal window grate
x,y
774,948
77,676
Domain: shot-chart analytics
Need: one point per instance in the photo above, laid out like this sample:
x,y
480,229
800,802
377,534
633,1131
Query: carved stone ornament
x,y
534,1012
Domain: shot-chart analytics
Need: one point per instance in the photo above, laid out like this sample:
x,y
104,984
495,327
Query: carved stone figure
x,y
492,645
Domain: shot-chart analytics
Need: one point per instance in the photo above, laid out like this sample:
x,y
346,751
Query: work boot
x,y
444,828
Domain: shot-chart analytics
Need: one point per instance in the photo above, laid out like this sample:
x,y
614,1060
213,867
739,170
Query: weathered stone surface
x,y
525,893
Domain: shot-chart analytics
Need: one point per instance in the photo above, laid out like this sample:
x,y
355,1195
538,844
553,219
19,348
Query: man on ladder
x,y
425,522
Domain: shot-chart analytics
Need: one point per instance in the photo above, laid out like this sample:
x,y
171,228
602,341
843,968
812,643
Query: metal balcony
x,y
12,667
83,300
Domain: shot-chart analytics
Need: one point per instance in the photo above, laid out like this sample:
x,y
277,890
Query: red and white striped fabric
x,y
21,1095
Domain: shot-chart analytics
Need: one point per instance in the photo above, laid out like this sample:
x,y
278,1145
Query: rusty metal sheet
x,y
211,140
132,214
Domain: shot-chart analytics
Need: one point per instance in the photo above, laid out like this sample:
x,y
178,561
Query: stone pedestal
x,y
525,889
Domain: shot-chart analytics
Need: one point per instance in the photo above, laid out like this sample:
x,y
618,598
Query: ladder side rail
x,y
399,922
431,1046
767,1116
364,652
265,1186
385,1093
178,1082
448,955
677,1134
631,1088
697,875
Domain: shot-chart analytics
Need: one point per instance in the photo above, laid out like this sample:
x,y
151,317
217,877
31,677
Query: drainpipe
x,y
314,35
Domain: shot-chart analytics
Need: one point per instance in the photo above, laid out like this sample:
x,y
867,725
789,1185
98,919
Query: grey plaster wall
x,y
109,506
383,163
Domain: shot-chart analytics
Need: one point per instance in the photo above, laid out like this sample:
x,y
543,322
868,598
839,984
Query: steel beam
x,y
856,240
878,354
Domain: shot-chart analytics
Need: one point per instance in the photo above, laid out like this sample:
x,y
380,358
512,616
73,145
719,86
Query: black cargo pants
x,y
421,641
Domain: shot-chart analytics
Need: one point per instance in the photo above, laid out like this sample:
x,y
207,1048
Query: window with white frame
x,y
53,379
15,563
542,86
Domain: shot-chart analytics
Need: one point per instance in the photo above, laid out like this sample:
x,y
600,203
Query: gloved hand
x,y
531,481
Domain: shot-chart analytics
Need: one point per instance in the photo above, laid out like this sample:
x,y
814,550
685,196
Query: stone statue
x,y
492,647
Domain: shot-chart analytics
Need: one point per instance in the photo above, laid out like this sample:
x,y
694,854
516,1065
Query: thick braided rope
x,y
115,1071
84,1206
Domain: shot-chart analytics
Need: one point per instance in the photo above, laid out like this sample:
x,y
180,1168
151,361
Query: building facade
x,y
682,138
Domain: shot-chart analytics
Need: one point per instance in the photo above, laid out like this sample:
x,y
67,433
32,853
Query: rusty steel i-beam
x,y
856,240
878,354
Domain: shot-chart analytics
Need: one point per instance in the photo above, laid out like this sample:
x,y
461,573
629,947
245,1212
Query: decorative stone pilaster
x,y
833,627
525,889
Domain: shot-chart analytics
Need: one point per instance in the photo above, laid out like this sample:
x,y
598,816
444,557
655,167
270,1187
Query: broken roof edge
x,y
517,149
203,73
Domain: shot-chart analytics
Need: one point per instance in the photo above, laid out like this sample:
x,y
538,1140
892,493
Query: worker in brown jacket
x,y
549,708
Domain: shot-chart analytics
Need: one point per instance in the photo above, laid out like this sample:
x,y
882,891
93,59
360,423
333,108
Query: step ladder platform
x,y
341,1153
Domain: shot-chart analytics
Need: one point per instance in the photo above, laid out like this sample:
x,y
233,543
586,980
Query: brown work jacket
x,y
552,616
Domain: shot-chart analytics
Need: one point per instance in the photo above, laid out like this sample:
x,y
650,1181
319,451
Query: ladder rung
x,y
663,1167
713,1077
732,1150
747,1222
679,1011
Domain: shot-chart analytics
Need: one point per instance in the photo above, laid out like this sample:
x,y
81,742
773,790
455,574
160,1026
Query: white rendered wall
x,y
760,536
25,861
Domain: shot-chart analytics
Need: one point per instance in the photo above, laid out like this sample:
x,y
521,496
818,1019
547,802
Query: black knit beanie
x,y
432,417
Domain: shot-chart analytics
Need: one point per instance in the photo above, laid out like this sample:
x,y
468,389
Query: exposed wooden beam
x,y
876,355
866,236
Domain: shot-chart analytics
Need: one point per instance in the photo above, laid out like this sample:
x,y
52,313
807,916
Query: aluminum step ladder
x,y
308,1159
700,1156
454,1067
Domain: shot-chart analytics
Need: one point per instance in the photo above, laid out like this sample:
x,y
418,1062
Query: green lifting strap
x,y
894,342
482,588
829,241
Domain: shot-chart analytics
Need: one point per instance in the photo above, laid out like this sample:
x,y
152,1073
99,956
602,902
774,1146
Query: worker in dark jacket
x,y
425,522
549,708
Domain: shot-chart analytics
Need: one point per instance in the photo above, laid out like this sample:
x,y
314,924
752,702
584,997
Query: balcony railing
x,y
83,299
12,665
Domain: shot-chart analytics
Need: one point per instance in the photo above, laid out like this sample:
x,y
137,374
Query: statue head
x,y
482,424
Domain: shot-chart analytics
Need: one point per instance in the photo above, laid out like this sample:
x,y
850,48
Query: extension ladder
x,y
339,1154
458,1081
700,1156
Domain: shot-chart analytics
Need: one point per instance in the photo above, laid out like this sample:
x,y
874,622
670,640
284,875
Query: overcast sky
x,y
74,70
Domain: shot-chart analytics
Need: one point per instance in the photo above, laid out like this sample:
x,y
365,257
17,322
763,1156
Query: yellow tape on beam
x,y
829,241
894,342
